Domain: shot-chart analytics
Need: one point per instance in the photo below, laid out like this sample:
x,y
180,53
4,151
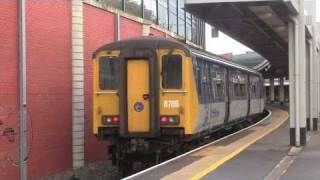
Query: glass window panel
x,y
195,32
114,3
197,71
217,75
133,7
163,13
255,88
173,16
181,8
150,10
239,82
181,27
172,72
181,18
188,21
108,73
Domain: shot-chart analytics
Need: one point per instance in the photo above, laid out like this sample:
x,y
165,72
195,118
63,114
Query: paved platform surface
x,y
258,160
220,160
307,164
272,158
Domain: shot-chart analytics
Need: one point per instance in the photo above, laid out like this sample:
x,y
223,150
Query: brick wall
x,y
49,81
8,84
129,28
98,30
156,32
49,85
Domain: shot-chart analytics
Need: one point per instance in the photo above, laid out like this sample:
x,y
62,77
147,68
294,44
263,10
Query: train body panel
x,y
177,99
103,93
211,115
238,109
256,106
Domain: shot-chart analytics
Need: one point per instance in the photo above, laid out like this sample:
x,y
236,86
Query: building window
x,y
171,72
150,10
169,14
163,13
108,73
194,30
114,3
133,7
173,18
188,25
181,18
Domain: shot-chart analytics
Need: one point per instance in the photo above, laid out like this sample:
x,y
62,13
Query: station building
x,y
61,36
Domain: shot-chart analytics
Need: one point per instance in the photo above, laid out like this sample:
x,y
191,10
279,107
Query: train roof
x,y
153,42
222,61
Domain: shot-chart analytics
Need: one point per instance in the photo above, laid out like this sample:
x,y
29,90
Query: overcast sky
x,y
224,44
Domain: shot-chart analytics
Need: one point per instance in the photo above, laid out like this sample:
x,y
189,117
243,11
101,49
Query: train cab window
x,y
172,72
108,73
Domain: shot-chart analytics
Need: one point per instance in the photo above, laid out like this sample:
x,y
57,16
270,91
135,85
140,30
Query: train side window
x,y
172,72
254,85
197,74
217,76
254,92
206,83
239,83
108,73
242,89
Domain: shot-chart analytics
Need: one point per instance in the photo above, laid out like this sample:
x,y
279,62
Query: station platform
x,y
260,152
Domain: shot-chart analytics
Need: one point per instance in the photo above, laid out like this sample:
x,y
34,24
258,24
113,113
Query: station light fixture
x,y
265,15
280,28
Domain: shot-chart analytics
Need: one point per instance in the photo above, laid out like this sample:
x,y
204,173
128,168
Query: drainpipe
x,y
23,150
117,27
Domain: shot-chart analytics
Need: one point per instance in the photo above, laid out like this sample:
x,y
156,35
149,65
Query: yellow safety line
x,y
234,153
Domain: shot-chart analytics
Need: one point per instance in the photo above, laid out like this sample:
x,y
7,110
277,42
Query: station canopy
x,y
260,25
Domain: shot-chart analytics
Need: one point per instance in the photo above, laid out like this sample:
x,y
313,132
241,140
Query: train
x,y
153,94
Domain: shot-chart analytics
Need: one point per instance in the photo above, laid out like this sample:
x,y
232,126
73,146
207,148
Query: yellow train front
x,y
142,88
153,94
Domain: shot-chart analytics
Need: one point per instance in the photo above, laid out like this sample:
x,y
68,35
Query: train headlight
x,y
169,120
111,120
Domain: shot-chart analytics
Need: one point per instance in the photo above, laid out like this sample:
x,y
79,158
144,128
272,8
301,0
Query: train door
x,y
138,91
227,95
249,84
